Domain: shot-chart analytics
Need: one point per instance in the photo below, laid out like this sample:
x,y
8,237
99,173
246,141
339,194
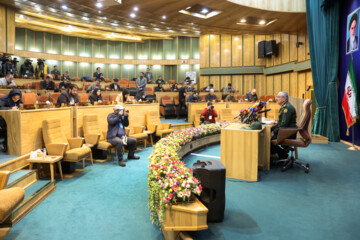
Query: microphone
x,y
237,116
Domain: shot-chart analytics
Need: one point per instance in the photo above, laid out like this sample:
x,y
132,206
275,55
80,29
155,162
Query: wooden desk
x,y
50,160
243,151
192,107
24,127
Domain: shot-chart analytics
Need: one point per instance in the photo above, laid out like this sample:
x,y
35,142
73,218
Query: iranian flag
x,y
350,99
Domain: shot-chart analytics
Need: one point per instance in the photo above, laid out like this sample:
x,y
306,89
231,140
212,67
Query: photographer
x,y
116,135
41,69
209,114
27,69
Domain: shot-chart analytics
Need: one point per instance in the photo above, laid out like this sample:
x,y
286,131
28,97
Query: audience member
x,y
101,77
47,84
97,73
207,89
66,76
160,80
209,114
251,96
191,88
116,134
11,101
141,84
8,80
95,96
211,96
94,85
159,88
230,97
174,88
229,88
124,96
69,96
187,80
194,97
27,69
182,97
65,84
115,85
56,73
148,75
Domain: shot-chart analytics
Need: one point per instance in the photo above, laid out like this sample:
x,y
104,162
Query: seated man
x,y
69,96
101,77
116,135
251,96
159,88
191,88
47,84
207,89
187,80
160,81
115,85
287,119
194,97
211,96
94,85
229,88
7,80
11,101
209,114
65,84
230,97
56,73
66,76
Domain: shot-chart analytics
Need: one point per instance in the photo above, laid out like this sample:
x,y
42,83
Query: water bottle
x,y
44,154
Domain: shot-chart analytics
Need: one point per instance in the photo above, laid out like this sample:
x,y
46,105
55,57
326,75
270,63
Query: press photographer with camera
x,y
27,69
8,65
41,69
209,114
116,134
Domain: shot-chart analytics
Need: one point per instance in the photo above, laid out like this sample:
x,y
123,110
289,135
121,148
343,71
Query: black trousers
x,y
131,146
180,106
282,151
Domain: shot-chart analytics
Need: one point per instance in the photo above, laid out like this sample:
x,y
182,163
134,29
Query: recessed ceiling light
x,y
184,32
113,33
136,9
236,39
157,29
70,14
85,18
114,24
64,6
262,22
142,26
204,11
129,26
171,30
243,20
99,21
98,4
37,8
52,10
104,18
164,17
21,16
188,8
132,15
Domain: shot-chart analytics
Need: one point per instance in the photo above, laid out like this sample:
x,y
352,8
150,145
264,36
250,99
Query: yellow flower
x,y
170,190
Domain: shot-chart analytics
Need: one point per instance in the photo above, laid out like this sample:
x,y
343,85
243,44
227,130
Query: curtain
x,y
323,30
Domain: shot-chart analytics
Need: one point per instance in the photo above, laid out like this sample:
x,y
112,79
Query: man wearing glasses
x,y
353,41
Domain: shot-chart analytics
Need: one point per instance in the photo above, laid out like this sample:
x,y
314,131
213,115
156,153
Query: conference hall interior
x,y
179,120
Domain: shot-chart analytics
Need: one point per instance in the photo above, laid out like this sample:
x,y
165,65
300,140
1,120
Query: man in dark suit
x,y
47,84
116,134
114,85
251,96
97,73
352,43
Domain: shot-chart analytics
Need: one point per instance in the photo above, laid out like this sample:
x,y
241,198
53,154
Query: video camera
x,y
8,65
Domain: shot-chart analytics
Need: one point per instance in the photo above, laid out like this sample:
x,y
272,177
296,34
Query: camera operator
x,y
209,114
116,134
41,69
27,69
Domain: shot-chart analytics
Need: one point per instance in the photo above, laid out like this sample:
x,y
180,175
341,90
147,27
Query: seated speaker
x,y
211,174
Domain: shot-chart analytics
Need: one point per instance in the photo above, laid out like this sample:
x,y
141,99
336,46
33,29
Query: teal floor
x,y
109,202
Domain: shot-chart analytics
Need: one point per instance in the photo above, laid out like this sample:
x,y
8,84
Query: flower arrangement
x,y
169,180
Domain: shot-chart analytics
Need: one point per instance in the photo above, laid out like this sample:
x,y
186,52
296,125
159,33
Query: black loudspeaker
x,y
211,174
271,48
261,49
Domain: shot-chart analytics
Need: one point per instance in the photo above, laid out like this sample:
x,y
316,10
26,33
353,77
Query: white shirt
x,y
3,82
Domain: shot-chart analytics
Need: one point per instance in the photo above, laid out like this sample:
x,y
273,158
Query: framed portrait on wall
x,y
352,33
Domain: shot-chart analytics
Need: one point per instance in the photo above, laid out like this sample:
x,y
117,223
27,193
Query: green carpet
x,y
109,202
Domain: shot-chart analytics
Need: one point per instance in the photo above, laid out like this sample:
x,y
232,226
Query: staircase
x,y
35,190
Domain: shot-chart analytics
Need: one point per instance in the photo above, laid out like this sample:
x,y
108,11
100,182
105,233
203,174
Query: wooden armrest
x,y
75,142
166,125
285,133
139,129
152,127
57,149
4,177
127,131
104,134
92,138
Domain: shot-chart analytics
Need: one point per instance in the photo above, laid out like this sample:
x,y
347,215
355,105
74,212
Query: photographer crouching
x,y
209,114
116,135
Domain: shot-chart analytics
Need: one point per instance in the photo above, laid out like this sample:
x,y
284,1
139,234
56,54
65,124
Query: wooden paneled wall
x,y
7,30
229,51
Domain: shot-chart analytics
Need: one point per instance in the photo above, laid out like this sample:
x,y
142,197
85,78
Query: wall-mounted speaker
x,y
261,49
271,48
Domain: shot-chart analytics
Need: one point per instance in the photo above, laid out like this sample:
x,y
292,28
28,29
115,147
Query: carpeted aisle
x,y
109,202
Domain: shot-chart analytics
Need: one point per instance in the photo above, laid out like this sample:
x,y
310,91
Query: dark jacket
x,y
192,98
96,74
7,103
27,69
45,86
210,98
65,78
112,86
114,124
251,98
66,98
94,97
63,84
287,119
56,74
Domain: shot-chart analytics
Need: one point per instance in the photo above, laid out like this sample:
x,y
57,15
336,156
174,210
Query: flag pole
x,y
353,148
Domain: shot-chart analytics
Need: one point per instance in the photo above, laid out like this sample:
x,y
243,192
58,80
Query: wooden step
x,y
15,164
22,178
34,194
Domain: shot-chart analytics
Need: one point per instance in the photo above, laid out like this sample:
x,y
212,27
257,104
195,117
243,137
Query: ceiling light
x,y
157,29
129,26
98,4
99,21
104,18
64,6
99,11
114,24
37,8
184,32
262,22
142,26
204,11
136,9
70,14
164,17
132,15
52,10
243,20
188,8
113,34
85,18
171,30
236,39
21,16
